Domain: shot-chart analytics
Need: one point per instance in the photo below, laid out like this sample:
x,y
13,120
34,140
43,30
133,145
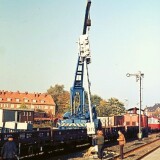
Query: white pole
x,y
89,93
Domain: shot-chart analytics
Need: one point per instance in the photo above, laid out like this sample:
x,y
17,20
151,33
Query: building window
x,y
42,101
133,123
127,123
38,107
24,114
17,100
9,99
32,107
30,114
25,100
46,107
34,101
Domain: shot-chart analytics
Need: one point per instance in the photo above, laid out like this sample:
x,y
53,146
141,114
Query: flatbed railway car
x,y
48,140
35,142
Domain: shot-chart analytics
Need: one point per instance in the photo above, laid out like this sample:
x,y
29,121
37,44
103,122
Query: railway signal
x,y
139,77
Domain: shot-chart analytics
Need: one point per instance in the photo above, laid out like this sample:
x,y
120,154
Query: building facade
x,y
17,115
153,111
32,101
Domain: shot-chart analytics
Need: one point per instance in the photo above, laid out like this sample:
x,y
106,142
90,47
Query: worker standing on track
x,y
122,142
100,143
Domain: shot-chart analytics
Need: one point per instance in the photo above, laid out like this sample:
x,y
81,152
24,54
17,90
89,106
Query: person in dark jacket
x,y
100,143
9,149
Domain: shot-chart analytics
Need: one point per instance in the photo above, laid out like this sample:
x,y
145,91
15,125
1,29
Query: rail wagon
x,y
154,124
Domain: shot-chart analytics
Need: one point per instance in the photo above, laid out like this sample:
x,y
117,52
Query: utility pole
x,y
139,77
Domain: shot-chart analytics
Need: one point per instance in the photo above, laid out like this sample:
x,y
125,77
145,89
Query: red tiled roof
x,y
32,98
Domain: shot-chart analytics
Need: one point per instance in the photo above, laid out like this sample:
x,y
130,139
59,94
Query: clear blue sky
x,y
38,46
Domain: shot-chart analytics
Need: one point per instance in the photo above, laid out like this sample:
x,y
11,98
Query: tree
x,y
64,102
111,107
60,97
56,91
116,106
95,100
104,109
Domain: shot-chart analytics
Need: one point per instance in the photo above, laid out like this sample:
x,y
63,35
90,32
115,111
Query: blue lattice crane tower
x,y
81,114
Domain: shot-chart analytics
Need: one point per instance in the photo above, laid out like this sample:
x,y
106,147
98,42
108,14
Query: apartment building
x,y
33,101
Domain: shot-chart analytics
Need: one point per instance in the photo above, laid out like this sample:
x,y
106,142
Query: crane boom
x,y
84,58
80,113
87,21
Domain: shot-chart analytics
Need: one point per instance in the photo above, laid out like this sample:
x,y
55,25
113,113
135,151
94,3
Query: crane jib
x,y
82,113
87,21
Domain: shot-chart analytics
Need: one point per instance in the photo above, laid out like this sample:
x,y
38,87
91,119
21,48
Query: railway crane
x,y
82,115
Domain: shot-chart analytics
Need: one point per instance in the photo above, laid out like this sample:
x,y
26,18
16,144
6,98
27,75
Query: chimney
x,y
3,92
134,110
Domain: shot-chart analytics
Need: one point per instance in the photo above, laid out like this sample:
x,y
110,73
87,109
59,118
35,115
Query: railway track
x,y
133,150
141,150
